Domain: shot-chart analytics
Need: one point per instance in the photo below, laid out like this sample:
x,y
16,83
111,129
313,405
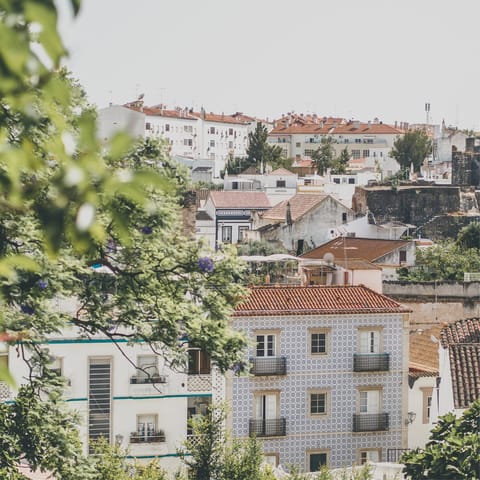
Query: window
x,y
266,344
281,184
298,144
369,340
366,153
147,429
358,140
403,256
230,144
344,217
234,185
211,130
188,128
56,367
318,403
355,153
167,127
266,405
227,234
319,342
351,181
198,362
147,367
369,455
148,126
308,152
427,403
369,400
230,131
336,180
212,143
241,233
271,459
316,460
188,142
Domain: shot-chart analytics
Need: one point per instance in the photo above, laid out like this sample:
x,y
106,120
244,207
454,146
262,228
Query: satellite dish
x,y
328,257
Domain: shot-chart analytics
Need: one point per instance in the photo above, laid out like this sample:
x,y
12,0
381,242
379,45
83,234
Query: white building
x,y
301,135
127,393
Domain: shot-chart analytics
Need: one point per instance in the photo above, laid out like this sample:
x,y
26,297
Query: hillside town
x,y
189,294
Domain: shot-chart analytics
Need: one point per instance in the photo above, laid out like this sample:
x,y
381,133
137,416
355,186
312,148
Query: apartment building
x,y
328,383
300,135
127,393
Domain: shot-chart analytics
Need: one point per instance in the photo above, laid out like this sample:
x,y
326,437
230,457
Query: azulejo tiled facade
x,y
280,405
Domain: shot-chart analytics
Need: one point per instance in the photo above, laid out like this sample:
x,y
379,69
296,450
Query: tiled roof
x,y
228,199
423,359
330,126
462,339
282,171
213,117
357,264
316,300
354,247
300,204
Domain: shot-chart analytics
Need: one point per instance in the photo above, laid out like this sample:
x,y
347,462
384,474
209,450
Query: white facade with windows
x,y
130,397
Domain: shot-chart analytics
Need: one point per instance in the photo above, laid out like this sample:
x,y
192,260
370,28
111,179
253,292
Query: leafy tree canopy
x,y
412,148
452,451
444,261
323,156
469,236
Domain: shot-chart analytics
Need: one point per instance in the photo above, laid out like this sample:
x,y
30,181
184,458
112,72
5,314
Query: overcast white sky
x,y
353,58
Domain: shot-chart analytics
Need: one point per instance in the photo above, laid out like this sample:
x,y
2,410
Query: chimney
x,y
288,216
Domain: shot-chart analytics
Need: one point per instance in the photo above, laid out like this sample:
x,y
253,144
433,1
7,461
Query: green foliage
x,y
323,156
469,236
452,452
260,151
214,457
108,463
340,163
258,247
445,261
412,148
65,207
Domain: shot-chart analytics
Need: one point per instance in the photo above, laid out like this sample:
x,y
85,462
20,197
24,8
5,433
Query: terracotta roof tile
x,y
354,247
282,171
357,264
300,204
316,300
228,199
462,339
424,351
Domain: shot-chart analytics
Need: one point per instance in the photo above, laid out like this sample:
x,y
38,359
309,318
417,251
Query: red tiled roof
x,y
331,126
213,117
300,204
462,339
316,300
354,247
423,360
282,171
228,199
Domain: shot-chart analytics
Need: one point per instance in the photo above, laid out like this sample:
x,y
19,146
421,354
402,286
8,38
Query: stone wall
x,y
413,204
434,303
446,227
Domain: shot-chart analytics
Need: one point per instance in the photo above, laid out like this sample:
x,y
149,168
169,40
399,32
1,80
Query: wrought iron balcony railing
x,y
370,422
141,379
268,366
271,427
371,362
154,437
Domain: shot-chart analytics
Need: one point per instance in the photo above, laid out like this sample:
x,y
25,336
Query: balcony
x,y
371,362
263,366
151,437
272,427
199,382
5,392
370,422
142,380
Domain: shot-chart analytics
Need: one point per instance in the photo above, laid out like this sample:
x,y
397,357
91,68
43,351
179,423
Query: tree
x,y
412,149
259,151
469,236
323,156
66,208
213,456
452,452
445,261
340,164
